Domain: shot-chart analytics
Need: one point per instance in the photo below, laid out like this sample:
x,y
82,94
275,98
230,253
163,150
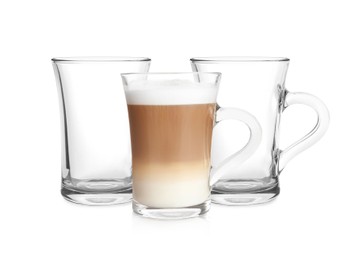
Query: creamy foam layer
x,y
170,92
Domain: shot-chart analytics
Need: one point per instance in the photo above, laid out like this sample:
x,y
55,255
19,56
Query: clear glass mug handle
x,y
242,155
314,135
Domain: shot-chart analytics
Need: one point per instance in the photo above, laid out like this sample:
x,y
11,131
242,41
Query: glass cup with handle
x,y
96,156
171,118
257,84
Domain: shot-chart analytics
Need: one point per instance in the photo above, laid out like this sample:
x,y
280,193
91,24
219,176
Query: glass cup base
x,y
97,198
236,193
171,213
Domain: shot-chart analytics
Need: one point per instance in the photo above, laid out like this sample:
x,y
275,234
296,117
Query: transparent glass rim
x,y
170,73
239,59
84,59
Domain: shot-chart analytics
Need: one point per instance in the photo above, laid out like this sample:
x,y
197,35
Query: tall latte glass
x,y
171,118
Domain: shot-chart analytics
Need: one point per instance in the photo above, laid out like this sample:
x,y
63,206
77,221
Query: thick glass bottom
x,y
96,193
237,192
171,213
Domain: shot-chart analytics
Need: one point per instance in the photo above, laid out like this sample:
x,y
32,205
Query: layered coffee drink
x,y
171,131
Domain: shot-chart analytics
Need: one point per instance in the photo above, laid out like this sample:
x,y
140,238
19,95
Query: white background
x,y
313,218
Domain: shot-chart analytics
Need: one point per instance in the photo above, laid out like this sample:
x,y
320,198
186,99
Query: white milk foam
x,y
171,92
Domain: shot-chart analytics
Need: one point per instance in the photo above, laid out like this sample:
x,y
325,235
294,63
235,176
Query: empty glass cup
x,y
257,85
96,155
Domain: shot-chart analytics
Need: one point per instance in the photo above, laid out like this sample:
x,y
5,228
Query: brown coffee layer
x,y
171,143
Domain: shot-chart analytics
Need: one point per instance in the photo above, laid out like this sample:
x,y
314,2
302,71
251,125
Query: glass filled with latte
x,y
171,118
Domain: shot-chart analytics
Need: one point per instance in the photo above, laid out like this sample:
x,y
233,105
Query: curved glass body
x,y
96,156
257,85
171,117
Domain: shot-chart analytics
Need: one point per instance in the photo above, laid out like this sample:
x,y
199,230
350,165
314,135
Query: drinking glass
x,y
171,118
96,156
257,85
